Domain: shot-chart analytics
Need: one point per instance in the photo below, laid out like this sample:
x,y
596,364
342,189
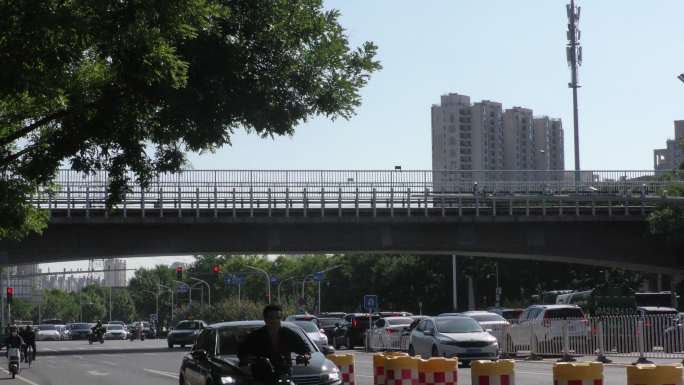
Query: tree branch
x,y
33,126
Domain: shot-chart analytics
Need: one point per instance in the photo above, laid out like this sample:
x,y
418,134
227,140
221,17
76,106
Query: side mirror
x,y
327,349
429,332
200,355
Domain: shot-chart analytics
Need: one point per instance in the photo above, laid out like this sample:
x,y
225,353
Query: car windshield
x,y
114,327
399,321
511,314
565,312
187,325
308,326
664,311
486,317
231,336
329,322
79,326
46,327
458,325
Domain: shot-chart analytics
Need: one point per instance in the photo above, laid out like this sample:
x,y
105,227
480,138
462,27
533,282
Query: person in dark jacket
x,y
29,337
13,340
273,341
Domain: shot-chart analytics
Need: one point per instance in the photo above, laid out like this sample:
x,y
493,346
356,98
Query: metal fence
x,y
650,336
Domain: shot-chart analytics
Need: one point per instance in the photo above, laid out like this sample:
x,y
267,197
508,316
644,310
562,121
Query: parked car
x,y
47,333
547,322
147,329
331,314
185,333
79,331
213,360
313,332
388,330
115,332
384,314
488,320
353,331
63,332
453,336
302,317
329,325
506,313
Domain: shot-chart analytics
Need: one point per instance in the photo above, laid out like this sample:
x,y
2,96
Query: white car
x,y
388,331
313,332
47,333
115,332
546,322
453,336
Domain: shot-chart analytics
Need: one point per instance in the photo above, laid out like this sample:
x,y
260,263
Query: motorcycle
x,y
14,358
136,333
279,374
95,336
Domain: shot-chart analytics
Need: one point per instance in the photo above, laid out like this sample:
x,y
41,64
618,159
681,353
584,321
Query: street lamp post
x,y
208,290
201,292
170,289
319,281
156,302
268,280
280,284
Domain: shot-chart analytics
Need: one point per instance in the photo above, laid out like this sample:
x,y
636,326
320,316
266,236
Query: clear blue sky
x,y
503,50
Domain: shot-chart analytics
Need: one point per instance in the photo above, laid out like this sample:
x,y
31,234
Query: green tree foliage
x,y
132,85
22,310
61,305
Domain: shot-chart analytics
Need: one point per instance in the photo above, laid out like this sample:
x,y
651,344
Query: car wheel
x,y
170,345
349,343
435,351
182,346
411,352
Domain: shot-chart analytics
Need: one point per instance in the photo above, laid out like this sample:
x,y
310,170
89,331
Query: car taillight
x,y
355,323
389,331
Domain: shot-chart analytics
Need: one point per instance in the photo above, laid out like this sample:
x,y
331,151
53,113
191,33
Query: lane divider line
x,y
26,380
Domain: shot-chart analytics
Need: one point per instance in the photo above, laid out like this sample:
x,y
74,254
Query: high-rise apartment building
x,y
672,156
518,139
115,272
482,136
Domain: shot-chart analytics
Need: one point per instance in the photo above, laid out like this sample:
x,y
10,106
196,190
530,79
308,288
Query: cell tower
x,y
574,54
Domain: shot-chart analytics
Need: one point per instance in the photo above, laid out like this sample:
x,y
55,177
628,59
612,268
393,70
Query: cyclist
x,y
29,337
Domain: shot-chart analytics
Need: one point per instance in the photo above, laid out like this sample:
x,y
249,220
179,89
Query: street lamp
x,y
156,302
319,284
208,290
279,284
159,285
201,293
268,280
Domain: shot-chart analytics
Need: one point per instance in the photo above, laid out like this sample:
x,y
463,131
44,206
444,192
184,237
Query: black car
x,y
329,325
353,331
213,359
79,331
185,333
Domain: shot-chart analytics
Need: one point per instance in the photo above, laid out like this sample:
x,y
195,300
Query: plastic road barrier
x,y
438,371
500,372
402,370
344,362
379,359
578,373
654,374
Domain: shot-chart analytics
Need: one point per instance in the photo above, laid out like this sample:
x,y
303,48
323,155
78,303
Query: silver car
x,y
453,336
313,332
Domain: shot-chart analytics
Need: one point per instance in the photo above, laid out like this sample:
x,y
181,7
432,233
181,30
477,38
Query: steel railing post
x,y
391,201
373,197
197,202
601,344
305,202
215,198
322,202
69,202
179,202
87,211
408,201
234,208
251,197
287,201
534,355
640,341
268,192
566,344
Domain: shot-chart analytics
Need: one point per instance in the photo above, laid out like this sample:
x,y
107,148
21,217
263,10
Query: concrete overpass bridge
x,y
590,217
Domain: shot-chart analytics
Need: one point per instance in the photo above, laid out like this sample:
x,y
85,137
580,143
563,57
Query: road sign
x,y
370,302
274,279
318,276
183,288
228,279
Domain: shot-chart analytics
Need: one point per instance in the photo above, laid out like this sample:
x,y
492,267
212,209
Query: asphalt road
x,y
152,363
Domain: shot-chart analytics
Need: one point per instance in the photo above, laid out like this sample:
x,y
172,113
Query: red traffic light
x,y
216,269
179,269
10,291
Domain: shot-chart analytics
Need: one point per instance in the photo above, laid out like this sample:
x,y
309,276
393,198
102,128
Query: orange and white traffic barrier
x,y
501,372
578,373
379,375
401,370
655,375
344,362
438,371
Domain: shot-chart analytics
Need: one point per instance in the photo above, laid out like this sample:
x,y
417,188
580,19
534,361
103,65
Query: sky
x,y
507,51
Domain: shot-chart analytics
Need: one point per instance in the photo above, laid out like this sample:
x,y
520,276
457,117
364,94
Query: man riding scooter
x,y
14,344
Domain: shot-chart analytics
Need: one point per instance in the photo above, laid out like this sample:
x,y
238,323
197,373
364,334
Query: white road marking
x,y
523,372
96,373
78,357
167,374
26,380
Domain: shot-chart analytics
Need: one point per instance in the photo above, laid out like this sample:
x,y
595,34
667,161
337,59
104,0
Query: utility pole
x,y
574,56
454,285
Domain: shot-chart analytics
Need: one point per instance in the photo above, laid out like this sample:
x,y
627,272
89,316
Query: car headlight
x,y
333,376
227,380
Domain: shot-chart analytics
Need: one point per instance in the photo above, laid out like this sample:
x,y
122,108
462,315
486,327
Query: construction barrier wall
x,y
344,362
500,372
654,375
578,373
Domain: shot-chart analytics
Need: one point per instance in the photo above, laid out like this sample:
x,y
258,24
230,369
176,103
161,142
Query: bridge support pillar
x,y
675,283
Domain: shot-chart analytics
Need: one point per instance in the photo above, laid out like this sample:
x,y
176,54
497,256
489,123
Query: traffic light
x,y
10,293
179,273
216,269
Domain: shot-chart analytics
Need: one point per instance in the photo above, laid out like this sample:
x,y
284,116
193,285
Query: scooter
x,y
96,336
14,358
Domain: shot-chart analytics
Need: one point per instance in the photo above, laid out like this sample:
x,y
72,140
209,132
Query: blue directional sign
x,y
318,276
228,279
274,279
370,302
240,280
184,288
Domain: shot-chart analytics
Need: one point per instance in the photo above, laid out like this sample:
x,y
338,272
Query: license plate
x,y
472,351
